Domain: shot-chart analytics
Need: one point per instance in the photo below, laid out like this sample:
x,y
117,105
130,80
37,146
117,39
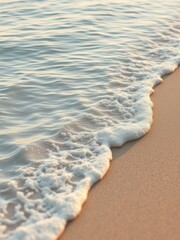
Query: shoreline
x,y
139,196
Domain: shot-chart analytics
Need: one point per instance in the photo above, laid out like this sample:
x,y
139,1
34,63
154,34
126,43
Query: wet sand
x,y
139,198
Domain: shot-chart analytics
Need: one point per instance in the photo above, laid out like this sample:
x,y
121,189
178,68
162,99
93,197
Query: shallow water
x,y
75,80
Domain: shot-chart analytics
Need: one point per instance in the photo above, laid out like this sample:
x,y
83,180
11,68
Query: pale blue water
x,y
75,79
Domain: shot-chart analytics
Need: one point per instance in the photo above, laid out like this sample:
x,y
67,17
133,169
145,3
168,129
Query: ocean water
x,y
75,80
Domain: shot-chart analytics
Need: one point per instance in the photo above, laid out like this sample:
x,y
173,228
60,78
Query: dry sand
x,y
139,198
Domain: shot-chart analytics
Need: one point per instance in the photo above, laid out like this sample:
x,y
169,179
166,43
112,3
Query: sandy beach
x,y
139,198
